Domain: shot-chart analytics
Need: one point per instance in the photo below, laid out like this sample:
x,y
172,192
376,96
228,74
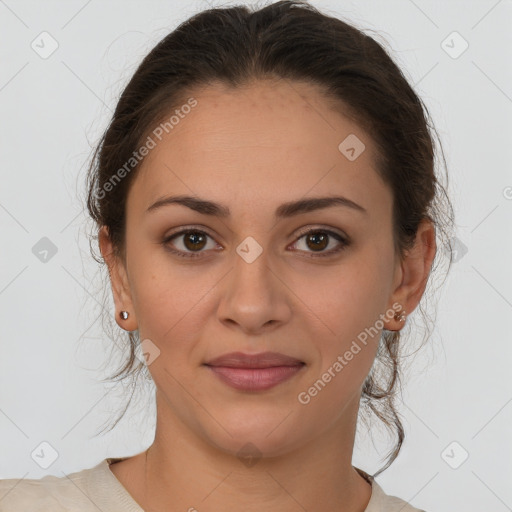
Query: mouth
x,y
261,360
254,372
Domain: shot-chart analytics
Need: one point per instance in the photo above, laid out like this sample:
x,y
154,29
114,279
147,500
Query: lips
x,y
254,372
262,360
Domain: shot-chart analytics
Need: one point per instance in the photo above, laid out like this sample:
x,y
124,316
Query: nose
x,y
253,297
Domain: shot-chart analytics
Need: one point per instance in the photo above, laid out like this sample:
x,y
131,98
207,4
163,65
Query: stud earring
x,y
124,315
400,317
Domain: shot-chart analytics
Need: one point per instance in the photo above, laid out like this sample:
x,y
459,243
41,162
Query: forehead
x,y
263,143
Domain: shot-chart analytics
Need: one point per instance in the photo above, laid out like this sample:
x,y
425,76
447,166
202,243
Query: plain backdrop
x,y
457,395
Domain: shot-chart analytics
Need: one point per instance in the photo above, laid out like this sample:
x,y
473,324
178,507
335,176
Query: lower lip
x,y
255,379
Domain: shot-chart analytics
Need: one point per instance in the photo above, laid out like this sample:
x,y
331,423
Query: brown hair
x,y
289,40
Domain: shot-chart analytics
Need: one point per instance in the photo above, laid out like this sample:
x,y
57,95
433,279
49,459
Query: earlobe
x,y
125,315
415,270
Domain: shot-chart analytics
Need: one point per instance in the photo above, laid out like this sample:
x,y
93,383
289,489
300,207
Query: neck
x,y
183,471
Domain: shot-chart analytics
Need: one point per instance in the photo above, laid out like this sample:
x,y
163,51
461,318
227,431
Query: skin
x,y
252,149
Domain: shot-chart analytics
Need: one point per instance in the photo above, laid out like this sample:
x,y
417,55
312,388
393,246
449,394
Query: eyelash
x,y
345,242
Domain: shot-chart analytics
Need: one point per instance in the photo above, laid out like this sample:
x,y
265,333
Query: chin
x,y
254,433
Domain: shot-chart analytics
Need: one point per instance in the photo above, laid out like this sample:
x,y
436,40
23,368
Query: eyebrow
x,y
285,210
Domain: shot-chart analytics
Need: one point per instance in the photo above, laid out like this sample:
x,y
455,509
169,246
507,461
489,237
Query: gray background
x,y
54,109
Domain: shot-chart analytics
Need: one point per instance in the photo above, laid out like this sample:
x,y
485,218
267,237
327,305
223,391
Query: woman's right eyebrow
x,y
285,210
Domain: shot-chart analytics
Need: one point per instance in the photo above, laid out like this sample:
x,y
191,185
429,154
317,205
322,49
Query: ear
x,y
412,273
119,282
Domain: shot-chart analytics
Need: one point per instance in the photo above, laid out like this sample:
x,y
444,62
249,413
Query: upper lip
x,y
261,360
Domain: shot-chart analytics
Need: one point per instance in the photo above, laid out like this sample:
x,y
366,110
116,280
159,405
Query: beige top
x,y
97,488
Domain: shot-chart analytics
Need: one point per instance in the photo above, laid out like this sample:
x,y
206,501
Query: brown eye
x,y
316,241
193,241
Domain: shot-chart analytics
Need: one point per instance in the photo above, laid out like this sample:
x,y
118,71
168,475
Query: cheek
x,y
351,296
349,304
347,349
169,299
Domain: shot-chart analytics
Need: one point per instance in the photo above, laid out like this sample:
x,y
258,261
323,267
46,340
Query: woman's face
x,y
251,282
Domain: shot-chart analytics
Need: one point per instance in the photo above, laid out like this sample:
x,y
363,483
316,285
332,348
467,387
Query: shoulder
x,y
382,502
387,503
58,494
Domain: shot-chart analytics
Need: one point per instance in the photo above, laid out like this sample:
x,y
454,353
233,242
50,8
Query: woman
x,y
266,205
